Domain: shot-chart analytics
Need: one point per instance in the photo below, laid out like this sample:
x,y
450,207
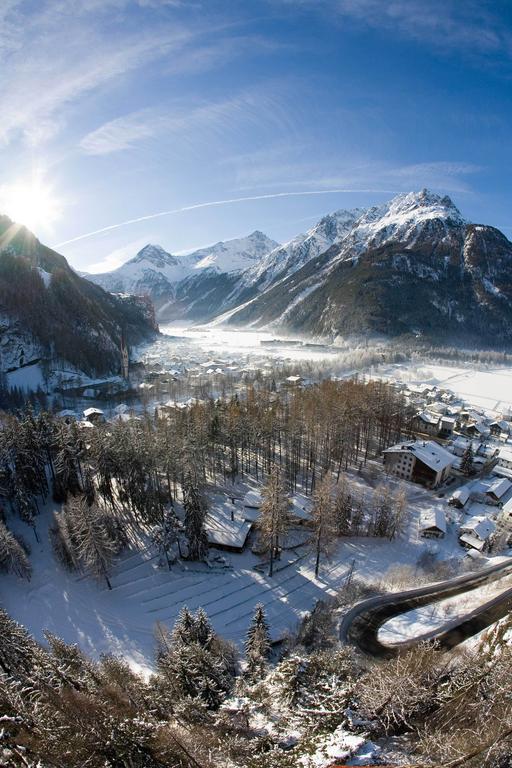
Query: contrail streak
x,y
210,205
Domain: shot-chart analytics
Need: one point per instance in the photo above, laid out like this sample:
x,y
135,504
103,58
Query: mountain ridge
x,y
49,312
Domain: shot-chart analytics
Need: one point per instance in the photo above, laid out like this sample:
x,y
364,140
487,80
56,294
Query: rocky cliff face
x,y
412,266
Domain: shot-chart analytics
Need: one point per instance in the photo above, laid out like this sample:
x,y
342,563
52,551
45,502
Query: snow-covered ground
x,y
122,620
485,387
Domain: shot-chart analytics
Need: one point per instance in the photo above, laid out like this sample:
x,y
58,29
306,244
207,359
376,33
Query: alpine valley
x,y
410,267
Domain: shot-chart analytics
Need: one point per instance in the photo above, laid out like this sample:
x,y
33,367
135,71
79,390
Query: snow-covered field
x,y
187,343
122,620
487,388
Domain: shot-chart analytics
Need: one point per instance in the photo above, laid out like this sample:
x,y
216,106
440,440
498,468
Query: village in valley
x,y
446,479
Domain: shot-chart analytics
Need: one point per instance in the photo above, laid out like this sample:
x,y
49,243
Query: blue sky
x,y
125,108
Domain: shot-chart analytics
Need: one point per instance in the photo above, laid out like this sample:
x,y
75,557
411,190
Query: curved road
x,y
360,626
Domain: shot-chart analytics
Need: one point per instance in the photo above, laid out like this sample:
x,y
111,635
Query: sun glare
x,y
31,203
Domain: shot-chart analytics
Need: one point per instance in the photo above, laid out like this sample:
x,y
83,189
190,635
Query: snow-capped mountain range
x,y
155,272
411,265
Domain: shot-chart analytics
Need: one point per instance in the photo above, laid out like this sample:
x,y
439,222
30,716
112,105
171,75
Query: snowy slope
x,y
232,255
413,265
156,273
290,257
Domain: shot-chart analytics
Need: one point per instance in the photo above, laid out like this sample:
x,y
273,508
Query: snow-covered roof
x,y
121,408
428,418
505,454
433,518
223,531
499,488
502,471
427,451
461,495
472,541
479,526
93,412
252,499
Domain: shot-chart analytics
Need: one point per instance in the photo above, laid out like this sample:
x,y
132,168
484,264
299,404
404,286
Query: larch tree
x,y
96,546
194,504
343,507
274,515
323,519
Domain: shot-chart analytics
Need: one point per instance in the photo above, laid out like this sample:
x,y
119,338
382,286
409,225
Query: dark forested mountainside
x,y
416,268
47,308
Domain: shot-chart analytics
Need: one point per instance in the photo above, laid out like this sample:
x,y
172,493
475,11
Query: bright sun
x,y
32,203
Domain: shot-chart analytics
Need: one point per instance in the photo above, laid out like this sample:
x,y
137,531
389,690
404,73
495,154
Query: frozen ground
x,y
122,620
189,343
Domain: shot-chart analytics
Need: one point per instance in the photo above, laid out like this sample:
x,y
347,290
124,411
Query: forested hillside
x,y
47,311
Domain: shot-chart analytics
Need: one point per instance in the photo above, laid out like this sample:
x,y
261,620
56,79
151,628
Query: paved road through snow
x,y
360,626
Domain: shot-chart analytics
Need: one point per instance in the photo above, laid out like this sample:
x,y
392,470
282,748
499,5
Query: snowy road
x,y
361,624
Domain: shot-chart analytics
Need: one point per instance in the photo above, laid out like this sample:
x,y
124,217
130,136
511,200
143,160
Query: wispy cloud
x,y
283,166
193,124
54,56
471,26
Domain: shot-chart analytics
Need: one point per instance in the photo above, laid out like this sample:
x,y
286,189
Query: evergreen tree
x,y
257,644
18,651
466,462
193,660
13,558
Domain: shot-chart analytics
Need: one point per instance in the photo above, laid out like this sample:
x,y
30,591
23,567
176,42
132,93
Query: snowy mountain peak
x,y
155,255
425,199
233,255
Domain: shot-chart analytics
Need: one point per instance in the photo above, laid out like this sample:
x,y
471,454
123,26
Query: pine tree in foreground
x,y
196,663
257,644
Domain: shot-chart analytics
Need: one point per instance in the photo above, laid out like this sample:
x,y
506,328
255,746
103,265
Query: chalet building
x,y
499,429
94,415
476,532
426,423
505,458
497,491
477,431
460,497
423,462
433,524
446,426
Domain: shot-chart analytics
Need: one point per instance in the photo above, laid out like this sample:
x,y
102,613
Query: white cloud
x,y
54,56
466,25
221,117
